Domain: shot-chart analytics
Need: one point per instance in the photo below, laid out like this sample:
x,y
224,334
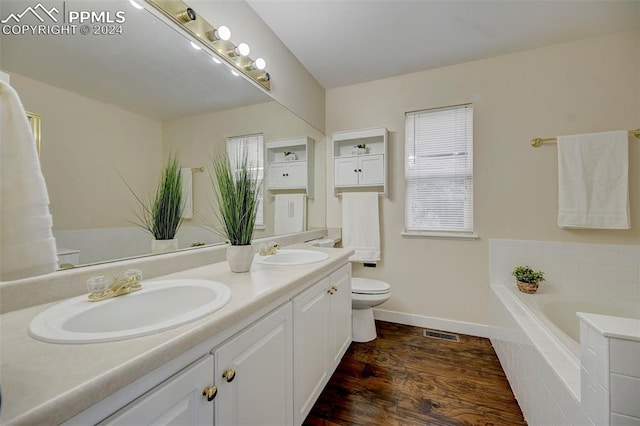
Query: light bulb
x,y
195,46
243,49
260,64
136,5
222,33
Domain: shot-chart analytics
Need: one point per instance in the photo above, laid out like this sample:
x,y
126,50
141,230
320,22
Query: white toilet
x,y
366,293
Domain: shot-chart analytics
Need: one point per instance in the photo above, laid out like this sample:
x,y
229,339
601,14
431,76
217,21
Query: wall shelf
x,y
355,169
293,172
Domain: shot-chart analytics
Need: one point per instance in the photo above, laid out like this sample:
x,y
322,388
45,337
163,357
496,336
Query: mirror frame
x,y
35,125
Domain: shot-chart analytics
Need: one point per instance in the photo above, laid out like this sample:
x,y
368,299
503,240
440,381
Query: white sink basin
x,y
290,257
160,305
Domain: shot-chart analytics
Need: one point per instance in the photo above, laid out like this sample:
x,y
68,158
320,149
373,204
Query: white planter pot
x,y
164,246
359,151
240,258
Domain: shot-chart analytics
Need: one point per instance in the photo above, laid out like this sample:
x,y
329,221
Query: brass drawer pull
x,y
229,375
210,392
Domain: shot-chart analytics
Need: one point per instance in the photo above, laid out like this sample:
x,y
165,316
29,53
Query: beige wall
x,y
585,86
291,84
197,138
85,143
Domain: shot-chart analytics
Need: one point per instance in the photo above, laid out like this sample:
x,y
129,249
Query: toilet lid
x,y
369,286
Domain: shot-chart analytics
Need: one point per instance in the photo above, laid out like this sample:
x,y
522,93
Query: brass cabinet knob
x,y
210,392
335,288
332,289
229,375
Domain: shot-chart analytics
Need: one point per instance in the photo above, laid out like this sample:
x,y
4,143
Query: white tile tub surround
x,y
610,372
548,381
544,375
605,269
106,244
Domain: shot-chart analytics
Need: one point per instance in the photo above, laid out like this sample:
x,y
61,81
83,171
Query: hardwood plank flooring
x,y
404,378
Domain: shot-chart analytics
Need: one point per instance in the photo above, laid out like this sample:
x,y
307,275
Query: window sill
x,y
436,234
259,227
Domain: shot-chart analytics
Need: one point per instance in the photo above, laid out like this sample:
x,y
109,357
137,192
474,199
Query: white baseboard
x,y
472,329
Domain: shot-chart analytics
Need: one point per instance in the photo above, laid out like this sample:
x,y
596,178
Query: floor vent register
x,y
442,335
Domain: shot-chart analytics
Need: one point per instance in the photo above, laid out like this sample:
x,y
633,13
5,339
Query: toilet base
x,y
363,325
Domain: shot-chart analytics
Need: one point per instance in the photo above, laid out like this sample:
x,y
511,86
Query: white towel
x,y
27,246
593,180
361,225
290,213
186,176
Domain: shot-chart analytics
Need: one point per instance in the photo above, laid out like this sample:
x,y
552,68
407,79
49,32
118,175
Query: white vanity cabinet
x,y
321,335
290,164
254,373
340,315
177,401
360,167
264,371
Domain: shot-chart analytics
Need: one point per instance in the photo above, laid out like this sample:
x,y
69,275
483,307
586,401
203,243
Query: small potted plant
x,y
528,279
360,149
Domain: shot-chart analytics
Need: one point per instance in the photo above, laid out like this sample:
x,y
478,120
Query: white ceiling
x,y
347,42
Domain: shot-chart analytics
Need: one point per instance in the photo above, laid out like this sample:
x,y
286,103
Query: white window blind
x,y
439,170
253,146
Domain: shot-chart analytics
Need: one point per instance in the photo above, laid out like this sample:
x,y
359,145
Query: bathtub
x,y
537,339
558,312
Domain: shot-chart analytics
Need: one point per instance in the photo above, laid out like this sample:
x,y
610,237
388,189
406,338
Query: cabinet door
x,y
261,389
340,316
276,175
178,401
311,343
372,170
296,174
345,170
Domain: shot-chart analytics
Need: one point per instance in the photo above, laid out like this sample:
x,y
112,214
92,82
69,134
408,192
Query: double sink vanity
x,y
199,346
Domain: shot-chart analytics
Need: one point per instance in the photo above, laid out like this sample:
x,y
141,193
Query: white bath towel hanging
x,y
186,176
593,180
361,225
290,213
27,246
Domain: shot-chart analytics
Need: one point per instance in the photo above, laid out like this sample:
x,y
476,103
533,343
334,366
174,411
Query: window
x,y
439,171
253,146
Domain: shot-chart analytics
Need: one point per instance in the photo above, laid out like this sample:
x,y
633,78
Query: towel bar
x,y
537,142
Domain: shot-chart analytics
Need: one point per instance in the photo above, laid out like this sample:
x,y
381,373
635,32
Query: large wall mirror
x,y
114,107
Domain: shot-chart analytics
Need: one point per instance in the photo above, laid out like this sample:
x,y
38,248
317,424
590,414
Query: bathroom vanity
x,y
263,359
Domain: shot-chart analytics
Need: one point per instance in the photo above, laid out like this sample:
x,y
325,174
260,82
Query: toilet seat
x,y
369,286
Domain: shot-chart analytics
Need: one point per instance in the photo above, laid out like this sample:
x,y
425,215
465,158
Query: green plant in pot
x,y
237,192
528,279
161,213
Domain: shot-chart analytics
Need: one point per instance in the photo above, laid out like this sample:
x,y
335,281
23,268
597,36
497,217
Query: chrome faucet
x,y
268,250
98,289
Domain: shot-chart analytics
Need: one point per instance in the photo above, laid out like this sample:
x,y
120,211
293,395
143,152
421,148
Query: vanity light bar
x,y
187,19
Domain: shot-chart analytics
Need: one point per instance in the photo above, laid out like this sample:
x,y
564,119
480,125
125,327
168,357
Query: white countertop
x,y
45,383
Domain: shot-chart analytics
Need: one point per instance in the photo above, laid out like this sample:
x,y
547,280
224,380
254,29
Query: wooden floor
x,y
403,378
